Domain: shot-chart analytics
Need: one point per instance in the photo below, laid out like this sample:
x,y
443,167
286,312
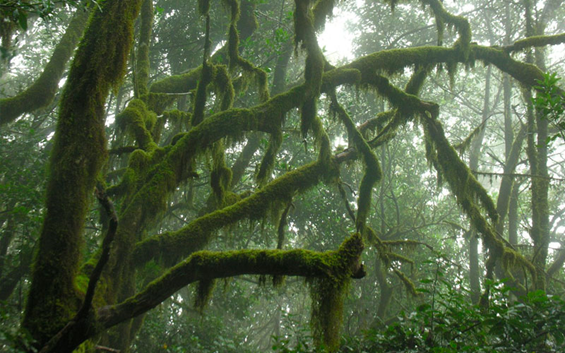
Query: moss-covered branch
x,y
198,233
268,116
43,90
206,265
467,189
373,172
535,41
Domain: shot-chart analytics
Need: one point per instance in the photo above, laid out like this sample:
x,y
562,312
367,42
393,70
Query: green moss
x,y
467,189
138,122
142,65
395,60
536,41
82,282
274,196
158,102
269,158
457,174
373,170
203,293
314,67
336,266
220,177
182,83
224,87
79,152
328,294
201,95
459,22
327,311
86,347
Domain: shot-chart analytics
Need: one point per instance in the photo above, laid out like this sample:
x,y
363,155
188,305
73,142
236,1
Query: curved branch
x,y
207,265
43,90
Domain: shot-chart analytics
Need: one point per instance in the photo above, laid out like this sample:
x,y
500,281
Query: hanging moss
x,y
465,144
220,177
458,175
395,60
274,196
314,67
269,158
323,144
207,265
200,99
224,87
203,293
459,22
340,76
466,189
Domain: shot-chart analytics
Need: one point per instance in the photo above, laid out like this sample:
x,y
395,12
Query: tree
x,y
158,154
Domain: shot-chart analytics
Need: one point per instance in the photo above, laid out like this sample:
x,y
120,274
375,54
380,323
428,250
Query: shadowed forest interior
x,y
285,176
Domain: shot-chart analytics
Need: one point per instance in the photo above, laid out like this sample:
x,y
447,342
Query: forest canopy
x,y
208,177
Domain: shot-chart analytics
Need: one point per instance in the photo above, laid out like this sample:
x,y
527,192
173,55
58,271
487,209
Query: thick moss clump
x,y
138,122
329,292
314,67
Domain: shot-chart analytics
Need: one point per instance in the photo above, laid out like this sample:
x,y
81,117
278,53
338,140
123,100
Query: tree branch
x,y
43,90
207,265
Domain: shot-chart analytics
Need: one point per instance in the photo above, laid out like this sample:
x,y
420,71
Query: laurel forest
x,y
206,176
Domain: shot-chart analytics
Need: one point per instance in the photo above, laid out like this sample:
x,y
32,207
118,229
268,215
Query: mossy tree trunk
x,y
78,154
